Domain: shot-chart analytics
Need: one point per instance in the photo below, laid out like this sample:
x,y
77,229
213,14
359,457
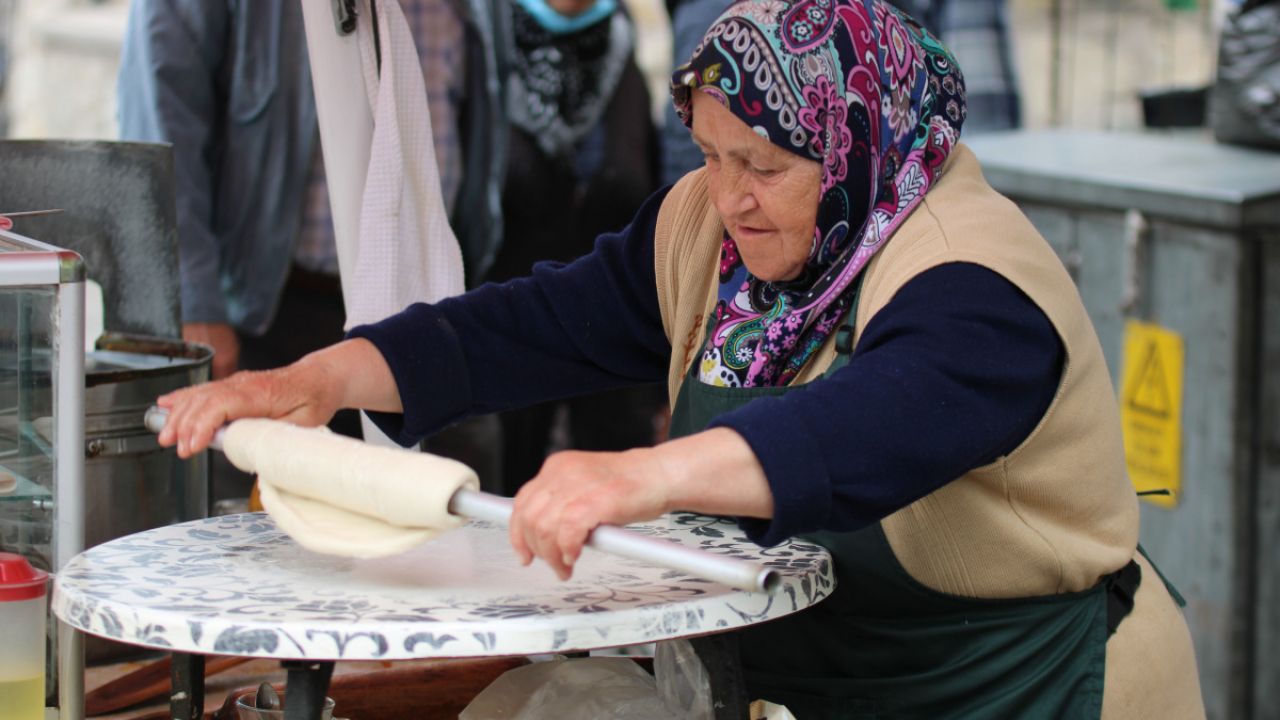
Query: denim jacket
x,y
212,77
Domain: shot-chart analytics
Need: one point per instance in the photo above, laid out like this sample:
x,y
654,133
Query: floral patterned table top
x,y
237,585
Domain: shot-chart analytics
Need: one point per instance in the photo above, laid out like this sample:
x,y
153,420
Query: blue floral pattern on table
x,y
237,585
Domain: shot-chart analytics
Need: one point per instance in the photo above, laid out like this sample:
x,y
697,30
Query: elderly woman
x,y
864,344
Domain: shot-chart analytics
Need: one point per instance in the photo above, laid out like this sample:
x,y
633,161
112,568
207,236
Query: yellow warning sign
x,y
1151,411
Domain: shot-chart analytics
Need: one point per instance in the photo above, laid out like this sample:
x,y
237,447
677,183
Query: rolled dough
x,y
340,496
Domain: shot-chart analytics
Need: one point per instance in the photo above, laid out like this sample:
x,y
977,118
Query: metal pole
x,y
69,507
305,689
624,543
1110,92
186,682
1055,63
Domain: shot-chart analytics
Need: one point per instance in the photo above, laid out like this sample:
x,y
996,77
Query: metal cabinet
x,y
1185,233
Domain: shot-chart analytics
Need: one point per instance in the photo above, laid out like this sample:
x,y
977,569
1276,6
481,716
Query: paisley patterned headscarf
x,y
864,90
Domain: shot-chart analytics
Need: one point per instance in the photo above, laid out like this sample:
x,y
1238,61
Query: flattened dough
x,y
340,496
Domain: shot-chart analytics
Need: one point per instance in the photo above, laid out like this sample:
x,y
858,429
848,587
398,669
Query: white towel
x,y
406,252
395,246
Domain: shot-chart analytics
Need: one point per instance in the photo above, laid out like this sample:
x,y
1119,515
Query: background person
x,y
229,85
582,157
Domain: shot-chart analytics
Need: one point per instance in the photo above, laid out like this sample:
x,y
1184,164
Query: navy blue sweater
x,y
954,372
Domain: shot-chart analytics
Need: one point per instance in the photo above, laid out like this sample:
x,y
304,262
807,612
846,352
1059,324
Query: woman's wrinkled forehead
x,y
712,133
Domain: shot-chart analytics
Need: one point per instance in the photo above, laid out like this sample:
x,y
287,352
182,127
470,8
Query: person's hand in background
x,y
222,338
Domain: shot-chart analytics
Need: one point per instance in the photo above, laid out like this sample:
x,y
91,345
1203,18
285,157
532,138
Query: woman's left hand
x,y
714,471
574,492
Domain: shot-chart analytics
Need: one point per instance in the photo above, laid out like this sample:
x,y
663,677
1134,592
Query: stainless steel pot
x,y
131,483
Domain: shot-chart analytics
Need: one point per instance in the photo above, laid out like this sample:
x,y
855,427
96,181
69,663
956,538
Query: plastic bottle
x,y
22,618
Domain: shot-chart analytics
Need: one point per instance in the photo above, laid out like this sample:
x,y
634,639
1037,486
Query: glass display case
x,y
42,437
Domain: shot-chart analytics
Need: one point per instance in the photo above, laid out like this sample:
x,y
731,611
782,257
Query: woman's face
x,y
767,197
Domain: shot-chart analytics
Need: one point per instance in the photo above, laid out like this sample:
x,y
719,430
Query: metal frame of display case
x,y
38,264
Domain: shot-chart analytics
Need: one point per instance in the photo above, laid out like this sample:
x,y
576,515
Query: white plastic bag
x,y
683,683
600,688
570,689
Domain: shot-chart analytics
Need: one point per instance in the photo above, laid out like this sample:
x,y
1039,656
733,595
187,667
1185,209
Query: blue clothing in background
x,y
229,85
231,90
977,31
953,373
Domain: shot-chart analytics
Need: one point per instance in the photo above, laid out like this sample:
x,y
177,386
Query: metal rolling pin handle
x,y
618,541
156,416
734,572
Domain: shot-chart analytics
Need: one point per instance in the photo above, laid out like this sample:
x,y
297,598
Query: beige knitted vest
x,y
1053,516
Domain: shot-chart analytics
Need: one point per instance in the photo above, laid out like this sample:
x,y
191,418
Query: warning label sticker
x,y
1151,411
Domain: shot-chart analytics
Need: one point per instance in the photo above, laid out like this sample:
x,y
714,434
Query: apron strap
x,y
844,339
1173,591
1122,586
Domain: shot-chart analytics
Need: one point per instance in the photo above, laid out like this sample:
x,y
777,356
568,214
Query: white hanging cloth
x,y
406,251
395,246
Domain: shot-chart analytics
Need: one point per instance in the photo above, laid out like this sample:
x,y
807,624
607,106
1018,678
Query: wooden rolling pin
x,y
477,505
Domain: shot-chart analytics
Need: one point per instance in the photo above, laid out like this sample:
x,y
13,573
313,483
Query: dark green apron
x,y
885,646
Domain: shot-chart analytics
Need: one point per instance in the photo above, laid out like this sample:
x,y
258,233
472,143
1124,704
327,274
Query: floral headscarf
x,y
857,86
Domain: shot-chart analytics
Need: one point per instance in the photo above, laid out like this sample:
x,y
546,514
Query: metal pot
x,y
131,483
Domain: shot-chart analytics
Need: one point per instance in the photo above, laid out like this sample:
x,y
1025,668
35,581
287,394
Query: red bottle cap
x,y
18,580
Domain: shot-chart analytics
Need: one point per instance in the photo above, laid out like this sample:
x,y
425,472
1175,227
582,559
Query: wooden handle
x,y
147,682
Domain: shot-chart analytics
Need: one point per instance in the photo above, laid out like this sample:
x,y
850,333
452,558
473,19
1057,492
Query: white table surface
x,y
236,585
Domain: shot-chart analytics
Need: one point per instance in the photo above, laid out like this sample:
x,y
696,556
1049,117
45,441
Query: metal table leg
x,y
186,675
305,688
721,656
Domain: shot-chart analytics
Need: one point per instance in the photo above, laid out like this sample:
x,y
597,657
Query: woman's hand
x,y
308,392
576,491
712,472
294,394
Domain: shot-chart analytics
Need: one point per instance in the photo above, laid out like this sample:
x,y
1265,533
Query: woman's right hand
x,y
351,374
300,393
